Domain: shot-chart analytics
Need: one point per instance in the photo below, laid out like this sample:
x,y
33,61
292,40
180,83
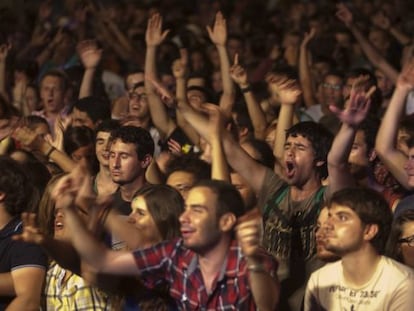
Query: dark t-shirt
x,y
120,205
17,254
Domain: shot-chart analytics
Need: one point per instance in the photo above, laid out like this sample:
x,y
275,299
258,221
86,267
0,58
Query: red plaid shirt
x,y
170,261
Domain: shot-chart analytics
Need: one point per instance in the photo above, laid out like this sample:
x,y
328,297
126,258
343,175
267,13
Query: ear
x,y
2,196
243,131
371,231
146,161
372,155
227,222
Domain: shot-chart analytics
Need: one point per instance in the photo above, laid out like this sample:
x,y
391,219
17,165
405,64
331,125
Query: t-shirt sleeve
x,y
272,183
311,302
25,255
403,298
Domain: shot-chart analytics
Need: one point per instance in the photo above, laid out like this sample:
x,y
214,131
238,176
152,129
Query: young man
x,y
130,153
25,263
208,268
53,87
357,229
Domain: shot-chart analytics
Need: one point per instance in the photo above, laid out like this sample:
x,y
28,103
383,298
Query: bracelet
x,y
259,268
50,151
246,89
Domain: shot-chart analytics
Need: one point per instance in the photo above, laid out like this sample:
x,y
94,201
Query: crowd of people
x,y
207,155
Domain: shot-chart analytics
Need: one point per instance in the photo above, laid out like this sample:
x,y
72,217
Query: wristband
x,y
259,268
50,151
246,89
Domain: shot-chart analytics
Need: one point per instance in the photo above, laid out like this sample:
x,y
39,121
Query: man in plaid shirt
x,y
216,265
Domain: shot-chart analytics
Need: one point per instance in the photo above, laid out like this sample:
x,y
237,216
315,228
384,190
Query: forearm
x,y
401,37
376,59
284,122
86,244
256,113
388,130
87,83
227,98
338,168
265,288
219,167
305,77
63,253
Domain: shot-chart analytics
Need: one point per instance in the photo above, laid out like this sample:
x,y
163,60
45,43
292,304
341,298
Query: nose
x,y
58,212
409,164
116,161
183,217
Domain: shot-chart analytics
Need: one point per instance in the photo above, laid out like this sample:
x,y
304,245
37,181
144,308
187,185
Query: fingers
x,y
236,59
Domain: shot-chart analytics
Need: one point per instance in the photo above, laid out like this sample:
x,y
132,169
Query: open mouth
x,y
59,225
290,169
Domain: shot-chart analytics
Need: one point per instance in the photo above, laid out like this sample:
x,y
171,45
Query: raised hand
x,y
288,90
344,14
381,20
154,34
216,119
27,138
358,106
89,53
238,73
31,232
308,37
179,66
218,34
406,77
4,51
249,232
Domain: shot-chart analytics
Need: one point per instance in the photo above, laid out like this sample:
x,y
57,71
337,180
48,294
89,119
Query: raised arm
x,y
289,93
381,20
90,56
257,115
351,117
238,159
376,59
35,142
218,35
70,190
179,70
219,166
262,267
305,75
385,144
153,37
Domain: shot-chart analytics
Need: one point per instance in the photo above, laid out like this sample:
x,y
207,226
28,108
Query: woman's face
x,y
32,100
407,251
142,220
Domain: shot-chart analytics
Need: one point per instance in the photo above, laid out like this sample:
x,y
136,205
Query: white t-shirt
x,y
390,288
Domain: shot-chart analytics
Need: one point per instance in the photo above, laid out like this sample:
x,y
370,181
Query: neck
x,y
4,217
360,266
211,261
299,193
128,190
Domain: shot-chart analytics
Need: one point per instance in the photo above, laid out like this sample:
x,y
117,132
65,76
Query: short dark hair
x,y
140,137
189,163
33,121
77,137
96,108
229,199
16,186
58,74
320,139
165,204
371,208
107,126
